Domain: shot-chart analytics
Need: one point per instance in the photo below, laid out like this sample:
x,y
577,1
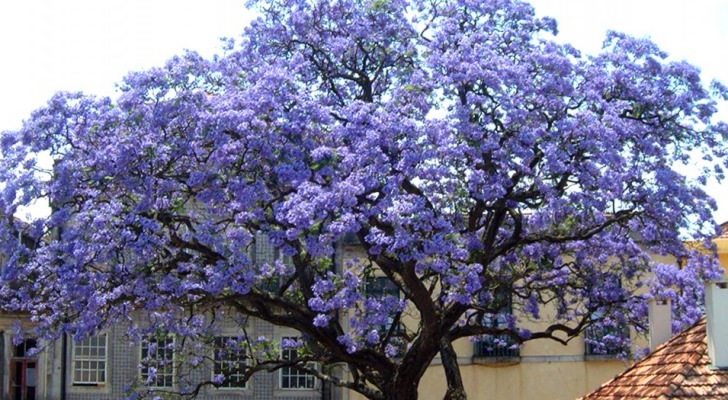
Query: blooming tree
x,y
476,162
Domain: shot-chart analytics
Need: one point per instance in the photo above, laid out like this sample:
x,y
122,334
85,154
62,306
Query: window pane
x,y
89,362
230,361
157,353
291,377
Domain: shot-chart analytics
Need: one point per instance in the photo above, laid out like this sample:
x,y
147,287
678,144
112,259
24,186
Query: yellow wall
x,y
722,248
546,369
525,380
556,380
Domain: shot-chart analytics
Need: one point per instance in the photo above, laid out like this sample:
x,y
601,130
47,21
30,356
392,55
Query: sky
x,y
89,45
695,31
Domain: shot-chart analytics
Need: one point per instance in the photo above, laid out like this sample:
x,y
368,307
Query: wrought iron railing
x,y
605,340
496,346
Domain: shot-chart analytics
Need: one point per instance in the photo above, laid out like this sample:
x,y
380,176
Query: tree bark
x,y
455,389
400,393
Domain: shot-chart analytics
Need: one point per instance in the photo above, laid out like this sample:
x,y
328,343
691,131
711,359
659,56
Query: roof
x,y
677,369
723,231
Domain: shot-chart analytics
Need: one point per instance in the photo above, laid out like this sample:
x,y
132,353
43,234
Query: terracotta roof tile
x,y
723,231
678,369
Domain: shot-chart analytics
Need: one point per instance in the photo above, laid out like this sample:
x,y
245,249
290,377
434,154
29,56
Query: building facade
x,y
541,369
109,365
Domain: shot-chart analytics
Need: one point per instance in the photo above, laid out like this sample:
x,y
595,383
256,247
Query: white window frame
x,y
297,374
88,358
215,362
153,362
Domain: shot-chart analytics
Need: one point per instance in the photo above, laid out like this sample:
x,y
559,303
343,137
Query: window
x,y
157,355
89,361
230,361
279,256
380,286
273,284
501,345
607,340
22,350
24,371
293,377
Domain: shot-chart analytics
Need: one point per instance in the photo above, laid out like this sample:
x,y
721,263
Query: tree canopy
x,y
456,142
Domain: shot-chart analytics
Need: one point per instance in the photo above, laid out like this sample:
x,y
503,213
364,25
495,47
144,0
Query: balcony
x,y
605,342
501,350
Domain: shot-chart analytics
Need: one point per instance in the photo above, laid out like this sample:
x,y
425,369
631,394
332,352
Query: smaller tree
x,y
474,160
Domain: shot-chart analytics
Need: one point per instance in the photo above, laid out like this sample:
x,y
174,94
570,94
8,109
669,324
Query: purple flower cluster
x,y
478,165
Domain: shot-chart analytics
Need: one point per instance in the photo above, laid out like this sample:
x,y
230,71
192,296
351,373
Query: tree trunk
x,y
414,364
455,389
397,392
403,391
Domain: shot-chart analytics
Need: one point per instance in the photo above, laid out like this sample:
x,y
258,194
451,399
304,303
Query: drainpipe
x,y
64,339
2,363
64,362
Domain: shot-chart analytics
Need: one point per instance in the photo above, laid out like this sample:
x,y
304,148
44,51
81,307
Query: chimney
x,y
660,320
716,309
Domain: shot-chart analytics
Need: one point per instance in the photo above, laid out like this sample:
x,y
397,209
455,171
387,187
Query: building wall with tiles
x,y
123,360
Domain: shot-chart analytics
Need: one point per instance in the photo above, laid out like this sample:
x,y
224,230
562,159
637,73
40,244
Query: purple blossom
x,y
321,320
453,149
